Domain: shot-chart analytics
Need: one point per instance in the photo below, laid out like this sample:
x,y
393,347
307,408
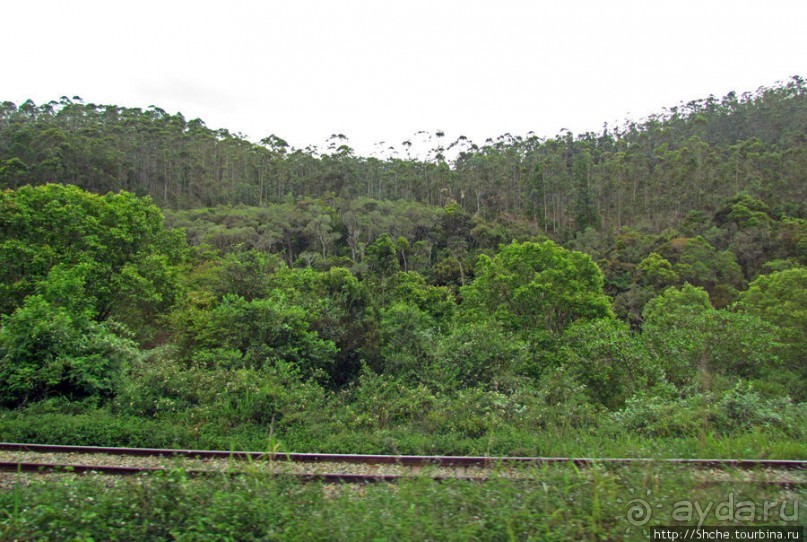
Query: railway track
x,y
405,460
348,468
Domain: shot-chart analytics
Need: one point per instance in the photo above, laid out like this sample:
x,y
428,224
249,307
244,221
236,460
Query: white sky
x,y
381,70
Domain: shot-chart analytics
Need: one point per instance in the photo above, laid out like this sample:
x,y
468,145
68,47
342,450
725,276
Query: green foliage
x,y
11,171
553,504
781,299
47,350
698,263
158,386
246,274
656,272
56,421
53,343
407,340
794,238
449,272
274,398
694,156
537,286
277,398
676,304
610,360
128,260
254,334
742,408
466,416
381,257
473,346
380,401
336,304
737,409
745,211
565,400
411,287
480,354
694,341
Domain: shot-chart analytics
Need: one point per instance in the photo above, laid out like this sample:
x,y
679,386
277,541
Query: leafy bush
x,y
55,424
781,299
158,386
129,258
45,351
407,341
274,398
610,360
253,334
537,286
479,354
665,414
695,341
742,408
382,401
657,416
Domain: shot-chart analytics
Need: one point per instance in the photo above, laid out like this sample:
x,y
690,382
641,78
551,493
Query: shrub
x,y
734,411
47,351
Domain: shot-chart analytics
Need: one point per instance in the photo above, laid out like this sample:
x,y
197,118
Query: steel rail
x,y
408,460
117,470
328,478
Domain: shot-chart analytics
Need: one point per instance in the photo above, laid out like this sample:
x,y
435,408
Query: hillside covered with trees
x,y
641,291
650,173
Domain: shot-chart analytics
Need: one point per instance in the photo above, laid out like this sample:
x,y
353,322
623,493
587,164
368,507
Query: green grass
x,y
563,504
100,427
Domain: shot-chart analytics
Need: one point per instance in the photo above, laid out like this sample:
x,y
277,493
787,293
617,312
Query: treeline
x,y
647,174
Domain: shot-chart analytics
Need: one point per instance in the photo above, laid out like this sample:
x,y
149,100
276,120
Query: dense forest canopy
x,y
648,173
648,279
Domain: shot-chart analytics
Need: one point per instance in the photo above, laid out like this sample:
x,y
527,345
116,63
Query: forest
x,y
639,292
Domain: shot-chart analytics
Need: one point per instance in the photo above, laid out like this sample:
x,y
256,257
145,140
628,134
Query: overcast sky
x,y
381,70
